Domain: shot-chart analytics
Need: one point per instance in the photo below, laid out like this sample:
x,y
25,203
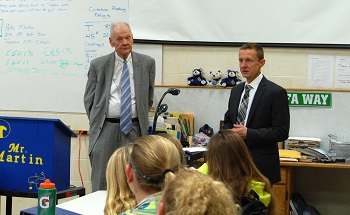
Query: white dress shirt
x,y
254,84
115,94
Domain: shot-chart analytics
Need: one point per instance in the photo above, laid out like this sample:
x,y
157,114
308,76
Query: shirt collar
x,y
255,83
121,59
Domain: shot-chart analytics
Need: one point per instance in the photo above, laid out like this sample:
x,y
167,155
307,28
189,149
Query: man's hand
x,y
241,130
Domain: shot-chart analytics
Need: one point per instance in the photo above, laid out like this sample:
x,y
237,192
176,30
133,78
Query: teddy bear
x,y
215,78
231,79
197,78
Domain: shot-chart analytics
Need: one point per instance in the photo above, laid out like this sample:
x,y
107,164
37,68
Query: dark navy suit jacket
x,y
268,123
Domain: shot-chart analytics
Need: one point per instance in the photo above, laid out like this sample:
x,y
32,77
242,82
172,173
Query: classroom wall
x,y
286,66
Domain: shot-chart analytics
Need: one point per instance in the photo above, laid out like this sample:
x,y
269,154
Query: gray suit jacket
x,y
98,88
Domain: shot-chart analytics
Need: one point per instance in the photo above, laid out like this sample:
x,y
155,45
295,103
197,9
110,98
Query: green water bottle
x,y
47,198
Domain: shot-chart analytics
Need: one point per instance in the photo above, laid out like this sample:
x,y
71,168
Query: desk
x,y
91,204
286,186
73,191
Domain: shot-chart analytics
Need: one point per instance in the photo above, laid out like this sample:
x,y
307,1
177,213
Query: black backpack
x,y
300,207
252,206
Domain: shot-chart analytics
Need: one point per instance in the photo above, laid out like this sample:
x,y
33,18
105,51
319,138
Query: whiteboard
x,y
269,21
47,46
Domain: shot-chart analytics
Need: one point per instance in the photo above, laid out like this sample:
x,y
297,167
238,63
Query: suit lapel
x,y
258,94
109,75
137,74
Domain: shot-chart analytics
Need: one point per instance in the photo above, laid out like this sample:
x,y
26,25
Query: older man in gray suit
x,y
103,97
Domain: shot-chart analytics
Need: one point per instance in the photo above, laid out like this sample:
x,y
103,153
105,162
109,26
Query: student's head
x,y
151,157
177,143
121,39
229,160
251,59
119,196
190,192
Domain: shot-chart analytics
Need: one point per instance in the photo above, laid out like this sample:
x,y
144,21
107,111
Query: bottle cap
x,y
47,184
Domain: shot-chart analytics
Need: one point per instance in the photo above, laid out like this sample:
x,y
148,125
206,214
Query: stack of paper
x,y
303,142
313,153
289,155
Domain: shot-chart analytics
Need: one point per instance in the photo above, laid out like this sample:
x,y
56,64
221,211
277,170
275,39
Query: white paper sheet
x,y
320,72
195,149
342,71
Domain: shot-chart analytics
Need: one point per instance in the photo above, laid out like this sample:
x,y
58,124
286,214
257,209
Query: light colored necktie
x,y
242,110
125,116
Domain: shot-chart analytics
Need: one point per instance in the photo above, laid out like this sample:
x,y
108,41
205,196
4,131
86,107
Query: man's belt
x,y
117,120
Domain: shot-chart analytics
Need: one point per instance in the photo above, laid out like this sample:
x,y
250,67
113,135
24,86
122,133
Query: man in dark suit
x,y
102,99
266,121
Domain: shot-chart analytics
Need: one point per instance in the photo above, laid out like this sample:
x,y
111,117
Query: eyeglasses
x,y
120,39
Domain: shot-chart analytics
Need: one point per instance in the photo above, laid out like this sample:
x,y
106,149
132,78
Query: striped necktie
x,y
242,110
125,106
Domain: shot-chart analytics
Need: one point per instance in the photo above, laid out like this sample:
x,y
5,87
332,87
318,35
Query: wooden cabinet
x,y
282,191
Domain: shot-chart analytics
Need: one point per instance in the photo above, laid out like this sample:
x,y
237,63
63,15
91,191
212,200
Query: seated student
x,y
177,143
119,196
190,192
229,160
152,156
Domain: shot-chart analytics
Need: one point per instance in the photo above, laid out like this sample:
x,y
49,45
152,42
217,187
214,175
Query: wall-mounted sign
x,y
309,99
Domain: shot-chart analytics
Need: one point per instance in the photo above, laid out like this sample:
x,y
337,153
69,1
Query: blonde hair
x,y
119,196
177,143
152,155
190,192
